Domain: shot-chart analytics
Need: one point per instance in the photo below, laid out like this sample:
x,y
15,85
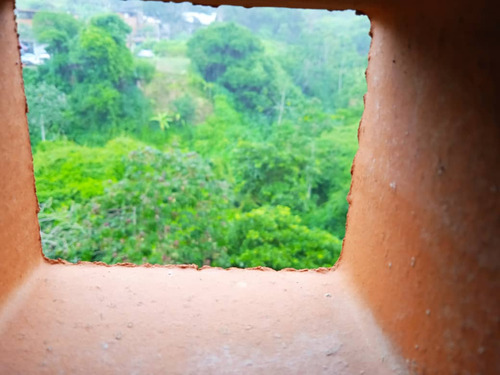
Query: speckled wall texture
x,y
417,284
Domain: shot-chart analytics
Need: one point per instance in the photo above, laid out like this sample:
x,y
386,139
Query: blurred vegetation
x,y
231,146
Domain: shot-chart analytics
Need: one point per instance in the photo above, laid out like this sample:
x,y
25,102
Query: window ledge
x,y
90,318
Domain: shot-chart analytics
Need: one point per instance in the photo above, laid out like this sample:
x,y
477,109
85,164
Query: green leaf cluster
x,y
246,161
91,65
231,56
166,207
66,172
272,236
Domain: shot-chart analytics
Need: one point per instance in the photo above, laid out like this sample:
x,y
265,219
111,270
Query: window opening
x,y
173,133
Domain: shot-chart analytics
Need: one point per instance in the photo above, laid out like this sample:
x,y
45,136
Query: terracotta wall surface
x,y
422,242
418,275
91,319
20,248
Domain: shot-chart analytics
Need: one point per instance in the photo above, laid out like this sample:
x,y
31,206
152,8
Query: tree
x,y
167,207
255,87
328,58
273,237
92,65
164,119
113,25
56,30
221,45
67,173
268,174
231,56
46,116
102,59
267,124
271,23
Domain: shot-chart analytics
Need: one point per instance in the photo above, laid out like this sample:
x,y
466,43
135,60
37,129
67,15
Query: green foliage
x,y
46,111
232,57
253,144
164,119
170,48
96,103
113,25
101,58
270,23
269,174
166,208
220,46
55,29
217,137
58,31
144,71
253,86
333,181
66,172
273,237
92,65
185,107
328,58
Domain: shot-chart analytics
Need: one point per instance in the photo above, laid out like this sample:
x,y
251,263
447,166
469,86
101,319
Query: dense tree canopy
x,y
56,30
221,46
91,64
231,147
231,56
46,111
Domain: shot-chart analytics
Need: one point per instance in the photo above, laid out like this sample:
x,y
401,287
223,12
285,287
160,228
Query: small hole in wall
x,y
178,134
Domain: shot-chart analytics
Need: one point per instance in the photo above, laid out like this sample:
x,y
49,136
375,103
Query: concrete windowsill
x,y
95,319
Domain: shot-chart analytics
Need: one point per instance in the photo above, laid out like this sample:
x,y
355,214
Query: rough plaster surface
x,y
90,319
424,211
419,266
20,248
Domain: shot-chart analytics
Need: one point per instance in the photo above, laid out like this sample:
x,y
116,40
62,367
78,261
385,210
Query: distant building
x,y
202,18
143,27
25,16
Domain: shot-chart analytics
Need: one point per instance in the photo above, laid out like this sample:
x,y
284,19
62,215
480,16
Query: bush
x,y
170,48
186,108
144,71
167,208
67,172
273,237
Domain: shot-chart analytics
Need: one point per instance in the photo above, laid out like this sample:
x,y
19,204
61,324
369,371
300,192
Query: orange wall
x,y
20,249
422,242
